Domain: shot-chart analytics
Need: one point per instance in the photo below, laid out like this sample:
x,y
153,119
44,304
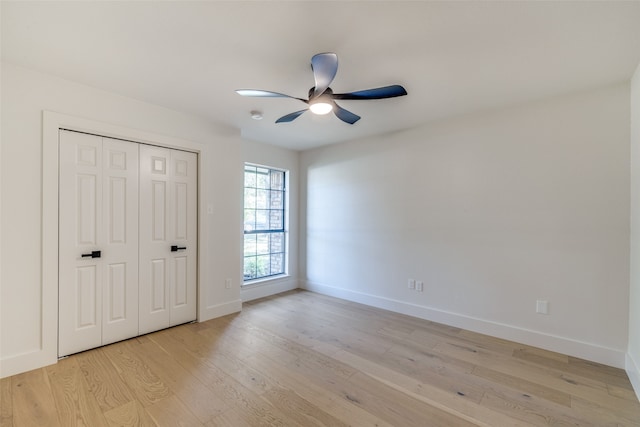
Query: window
x,y
264,222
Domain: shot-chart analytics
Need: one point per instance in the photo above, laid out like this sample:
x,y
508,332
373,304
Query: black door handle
x,y
176,248
93,254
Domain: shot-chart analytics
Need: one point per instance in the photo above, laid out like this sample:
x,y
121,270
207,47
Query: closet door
x,y
184,231
98,241
80,232
168,237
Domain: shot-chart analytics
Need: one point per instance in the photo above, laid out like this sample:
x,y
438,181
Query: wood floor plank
x,y
300,410
353,340
524,386
344,410
172,412
33,402
560,380
532,410
457,404
331,376
445,373
542,357
145,385
6,404
250,407
303,359
198,398
129,414
196,366
601,416
244,342
76,404
103,379
399,408
230,418
328,377
622,393
240,371
302,336
599,372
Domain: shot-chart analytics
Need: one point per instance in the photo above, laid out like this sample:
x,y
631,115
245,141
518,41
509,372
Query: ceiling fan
x,y
321,99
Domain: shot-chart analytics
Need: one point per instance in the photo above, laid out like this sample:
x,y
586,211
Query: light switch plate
x,y
542,307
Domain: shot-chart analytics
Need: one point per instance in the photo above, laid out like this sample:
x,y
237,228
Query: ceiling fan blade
x,y
345,115
377,93
265,94
325,67
290,117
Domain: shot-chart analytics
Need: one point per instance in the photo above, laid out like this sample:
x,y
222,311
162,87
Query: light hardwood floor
x,y
303,359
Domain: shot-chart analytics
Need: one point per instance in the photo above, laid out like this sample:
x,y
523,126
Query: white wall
x,y
633,351
492,211
280,158
25,94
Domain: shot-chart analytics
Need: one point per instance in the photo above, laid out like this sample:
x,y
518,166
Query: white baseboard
x,y
583,350
24,362
219,310
267,288
633,372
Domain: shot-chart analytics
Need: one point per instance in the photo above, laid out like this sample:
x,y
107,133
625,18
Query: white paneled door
x,y
168,230
98,249
127,240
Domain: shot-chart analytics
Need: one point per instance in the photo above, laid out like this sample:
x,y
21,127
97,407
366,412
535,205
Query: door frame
x,y
51,124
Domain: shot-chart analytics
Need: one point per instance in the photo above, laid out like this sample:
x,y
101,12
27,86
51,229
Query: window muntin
x,y
264,222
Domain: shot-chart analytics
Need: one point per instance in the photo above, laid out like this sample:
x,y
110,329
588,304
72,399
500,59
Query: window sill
x,y
263,281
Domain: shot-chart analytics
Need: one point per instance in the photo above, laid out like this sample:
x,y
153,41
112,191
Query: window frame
x,y
283,230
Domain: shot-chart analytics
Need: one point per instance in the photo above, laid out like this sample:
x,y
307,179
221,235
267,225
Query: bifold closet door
x,y
168,237
98,241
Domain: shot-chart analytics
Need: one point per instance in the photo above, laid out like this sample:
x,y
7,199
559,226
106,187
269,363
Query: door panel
x,y
181,293
117,293
120,254
168,201
98,202
86,204
118,212
80,278
183,231
154,244
182,209
86,307
158,286
159,211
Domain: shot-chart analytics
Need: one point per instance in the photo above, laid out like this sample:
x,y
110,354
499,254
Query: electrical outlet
x,y
411,284
227,283
419,286
542,307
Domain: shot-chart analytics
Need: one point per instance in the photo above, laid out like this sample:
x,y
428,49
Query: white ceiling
x,y
452,57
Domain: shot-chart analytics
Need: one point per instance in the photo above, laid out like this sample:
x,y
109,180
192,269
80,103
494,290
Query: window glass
x,y
264,222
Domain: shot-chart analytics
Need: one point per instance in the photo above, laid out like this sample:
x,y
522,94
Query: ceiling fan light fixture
x,y
321,99
321,108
